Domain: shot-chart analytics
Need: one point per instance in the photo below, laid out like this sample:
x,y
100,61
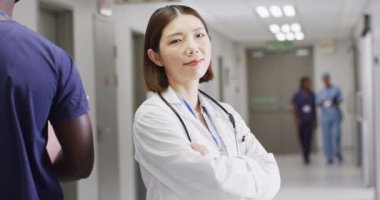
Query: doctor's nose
x,y
191,51
191,48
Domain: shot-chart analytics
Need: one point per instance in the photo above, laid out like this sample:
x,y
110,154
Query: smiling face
x,y
184,50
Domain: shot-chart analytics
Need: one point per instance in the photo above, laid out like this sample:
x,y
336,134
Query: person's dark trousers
x,y
305,132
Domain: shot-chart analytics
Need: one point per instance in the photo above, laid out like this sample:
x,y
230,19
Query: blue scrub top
x,y
305,103
331,94
38,82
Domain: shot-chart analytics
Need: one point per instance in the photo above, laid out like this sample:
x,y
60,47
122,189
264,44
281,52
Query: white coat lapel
x,y
171,96
173,99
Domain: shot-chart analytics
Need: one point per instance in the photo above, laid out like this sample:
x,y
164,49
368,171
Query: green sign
x,y
264,100
279,46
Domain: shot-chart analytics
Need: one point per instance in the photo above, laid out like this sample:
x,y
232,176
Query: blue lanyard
x,y
192,112
213,136
188,107
4,15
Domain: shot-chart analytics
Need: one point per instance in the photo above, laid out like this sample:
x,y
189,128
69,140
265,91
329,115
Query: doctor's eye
x,y
200,35
175,41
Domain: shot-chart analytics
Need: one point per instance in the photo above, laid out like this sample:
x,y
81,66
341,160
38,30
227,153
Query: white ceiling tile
x,y
237,19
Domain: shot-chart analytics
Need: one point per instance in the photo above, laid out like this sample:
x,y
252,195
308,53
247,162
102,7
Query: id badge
x,y
306,109
327,104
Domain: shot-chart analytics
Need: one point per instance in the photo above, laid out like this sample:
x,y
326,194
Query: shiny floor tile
x,y
320,181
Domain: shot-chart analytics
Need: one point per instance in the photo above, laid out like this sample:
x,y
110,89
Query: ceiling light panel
x,y
262,12
280,37
290,36
285,28
296,27
274,28
299,36
275,11
284,32
289,10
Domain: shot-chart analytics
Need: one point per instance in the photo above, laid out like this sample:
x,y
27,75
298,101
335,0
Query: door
x,y
273,79
106,109
139,96
56,24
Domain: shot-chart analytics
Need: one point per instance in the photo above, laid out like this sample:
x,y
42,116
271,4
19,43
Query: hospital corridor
x,y
321,182
292,82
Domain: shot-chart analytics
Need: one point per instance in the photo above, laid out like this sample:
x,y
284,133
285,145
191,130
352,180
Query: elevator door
x,y
273,79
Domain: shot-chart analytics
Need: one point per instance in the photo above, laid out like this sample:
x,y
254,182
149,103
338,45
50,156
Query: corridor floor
x,y
319,181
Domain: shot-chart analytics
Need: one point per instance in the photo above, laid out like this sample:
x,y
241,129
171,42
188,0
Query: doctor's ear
x,y
154,57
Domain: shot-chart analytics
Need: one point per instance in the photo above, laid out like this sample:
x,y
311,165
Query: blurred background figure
x,y
329,99
305,116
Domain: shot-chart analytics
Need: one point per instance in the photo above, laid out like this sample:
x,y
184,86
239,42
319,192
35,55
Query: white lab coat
x,y
171,170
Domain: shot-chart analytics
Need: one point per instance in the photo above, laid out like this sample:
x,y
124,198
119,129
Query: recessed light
x,y
106,12
296,27
274,28
289,10
290,36
280,37
302,52
275,11
285,28
262,12
299,36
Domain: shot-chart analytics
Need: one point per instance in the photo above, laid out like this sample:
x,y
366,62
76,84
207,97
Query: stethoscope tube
x,y
232,119
230,116
176,113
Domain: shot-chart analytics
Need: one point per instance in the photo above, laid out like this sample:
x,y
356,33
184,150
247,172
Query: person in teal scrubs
x,y
329,100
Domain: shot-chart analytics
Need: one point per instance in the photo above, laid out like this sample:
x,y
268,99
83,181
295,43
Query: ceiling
x,y
320,19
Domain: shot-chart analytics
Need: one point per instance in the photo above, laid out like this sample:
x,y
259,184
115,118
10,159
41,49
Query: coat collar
x,y
170,95
174,100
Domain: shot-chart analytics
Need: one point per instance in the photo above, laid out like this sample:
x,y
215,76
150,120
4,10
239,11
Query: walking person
x,y
329,100
305,116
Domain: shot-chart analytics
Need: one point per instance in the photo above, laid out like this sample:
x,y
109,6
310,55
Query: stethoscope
x,y
230,116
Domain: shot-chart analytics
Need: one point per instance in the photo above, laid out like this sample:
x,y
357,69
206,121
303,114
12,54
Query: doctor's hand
x,y
200,148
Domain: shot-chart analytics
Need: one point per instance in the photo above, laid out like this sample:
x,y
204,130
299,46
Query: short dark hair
x,y
155,76
303,80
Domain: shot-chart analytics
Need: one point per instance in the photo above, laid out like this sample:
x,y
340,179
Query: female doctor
x,y
189,146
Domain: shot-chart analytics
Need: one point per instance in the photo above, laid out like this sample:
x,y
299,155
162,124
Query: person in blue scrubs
x,y
39,83
329,100
305,116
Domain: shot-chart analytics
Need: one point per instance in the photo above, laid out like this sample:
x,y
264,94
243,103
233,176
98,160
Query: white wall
x,y
340,64
374,7
134,18
26,12
240,91
233,54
